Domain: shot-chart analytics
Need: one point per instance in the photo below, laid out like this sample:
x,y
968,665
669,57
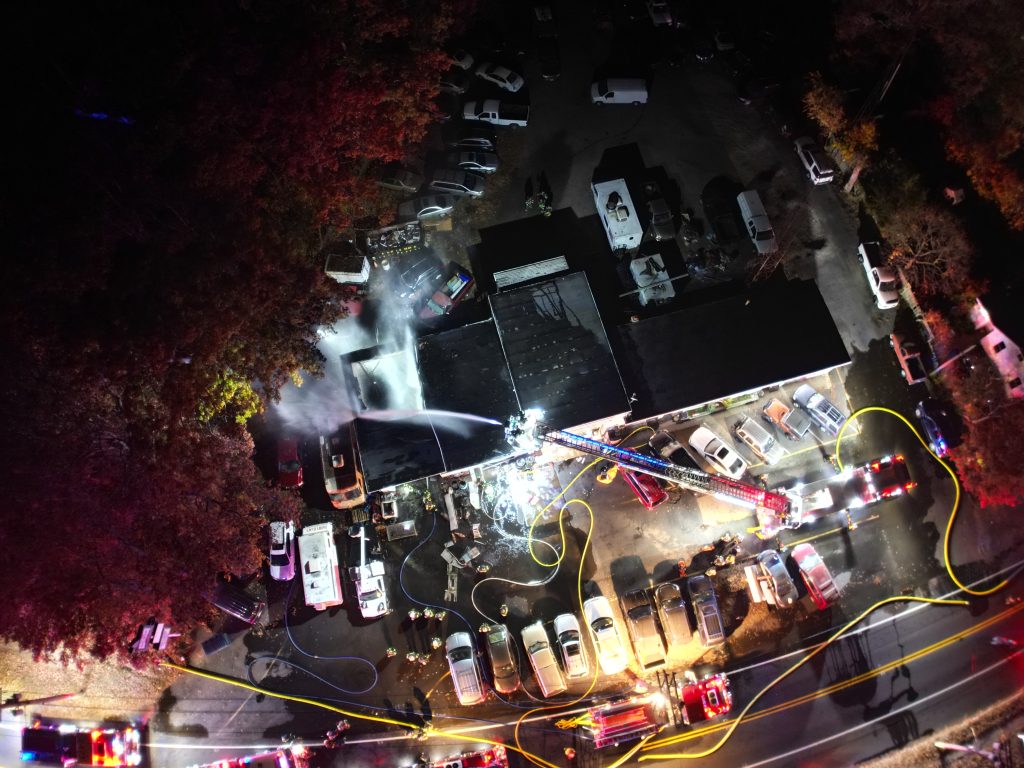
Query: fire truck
x,y
492,757
704,699
621,722
774,510
318,558
68,745
861,486
286,757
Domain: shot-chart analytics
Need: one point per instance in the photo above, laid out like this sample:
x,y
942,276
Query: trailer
x,y
350,269
618,215
321,574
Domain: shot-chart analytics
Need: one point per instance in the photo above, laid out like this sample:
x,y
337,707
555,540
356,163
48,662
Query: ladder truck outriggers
x,y
775,511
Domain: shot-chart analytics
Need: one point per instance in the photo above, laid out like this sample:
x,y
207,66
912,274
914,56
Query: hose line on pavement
x,y
947,538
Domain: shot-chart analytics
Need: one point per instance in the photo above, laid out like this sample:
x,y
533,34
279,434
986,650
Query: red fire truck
x,y
68,745
705,699
624,721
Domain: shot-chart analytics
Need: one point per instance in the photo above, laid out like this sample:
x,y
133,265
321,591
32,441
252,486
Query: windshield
x,y
602,624
372,594
889,285
279,559
461,654
765,234
290,466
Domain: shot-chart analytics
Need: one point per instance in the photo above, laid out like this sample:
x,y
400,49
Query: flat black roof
x,y
558,352
765,334
461,371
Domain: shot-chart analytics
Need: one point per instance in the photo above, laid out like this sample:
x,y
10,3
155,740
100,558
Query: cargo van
x,y
755,219
619,91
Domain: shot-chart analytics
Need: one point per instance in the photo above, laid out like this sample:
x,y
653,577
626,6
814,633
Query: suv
x,y
816,163
503,665
469,689
282,551
774,569
705,610
668,599
458,183
422,272
570,643
662,225
235,601
828,418
909,357
792,422
639,612
542,659
816,576
760,441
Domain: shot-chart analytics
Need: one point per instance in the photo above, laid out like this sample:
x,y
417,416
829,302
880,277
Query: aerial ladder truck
x,y
775,511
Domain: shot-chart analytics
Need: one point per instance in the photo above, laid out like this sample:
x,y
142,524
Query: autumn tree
x,y
854,139
930,248
175,166
989,459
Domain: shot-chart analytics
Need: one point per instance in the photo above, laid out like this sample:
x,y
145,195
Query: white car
x,y
457,183
461,59
427,208
661,14
723,459
503,77
475,162
282,551
611,651
469,688
570,644
542,659
885,285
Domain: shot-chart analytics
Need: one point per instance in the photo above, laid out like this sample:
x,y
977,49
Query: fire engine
x,y
861,486
286,757
493,757
68,745
705,699
621,722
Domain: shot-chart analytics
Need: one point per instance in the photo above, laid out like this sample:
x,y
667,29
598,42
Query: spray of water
x,y
449,421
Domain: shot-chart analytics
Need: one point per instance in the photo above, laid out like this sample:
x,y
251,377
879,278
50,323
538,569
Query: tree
x,y
823,103
990,457
931,249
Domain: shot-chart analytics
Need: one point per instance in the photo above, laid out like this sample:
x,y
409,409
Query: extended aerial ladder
x,y
774,510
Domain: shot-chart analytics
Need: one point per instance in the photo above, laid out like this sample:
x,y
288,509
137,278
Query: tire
x,y
636,103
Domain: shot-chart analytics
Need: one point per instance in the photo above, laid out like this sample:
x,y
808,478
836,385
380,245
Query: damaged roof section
x,y
558,353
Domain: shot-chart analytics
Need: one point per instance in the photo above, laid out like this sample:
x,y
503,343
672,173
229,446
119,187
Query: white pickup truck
x,y
496,112
885,285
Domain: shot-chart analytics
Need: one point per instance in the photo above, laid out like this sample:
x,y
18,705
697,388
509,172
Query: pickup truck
x,y
497,112
792,422
885,285
907,355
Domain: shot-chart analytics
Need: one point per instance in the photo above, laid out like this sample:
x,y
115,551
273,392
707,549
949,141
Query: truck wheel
x,y
636,103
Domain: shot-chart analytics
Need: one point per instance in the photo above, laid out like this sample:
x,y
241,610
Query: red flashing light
x,y
875,466
898,457
94,735
909,485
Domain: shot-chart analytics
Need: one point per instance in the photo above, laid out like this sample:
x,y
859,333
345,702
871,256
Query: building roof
x,y
461,371
558,352
766,334
1003,303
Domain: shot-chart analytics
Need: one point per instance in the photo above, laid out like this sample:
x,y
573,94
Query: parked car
x,y
660,13
235,601
774,569
455,80
475,162
503,77
816,576
476,137
668,599
502,657
427,208
401,180
882,279
646,487
670,449
908,356
816,163
828,418
461,59
724,41
282,550
755,219
458,183
611,653
289,467
662,225
939,424
643,631
760,441
792,422
542,659
422,272
448,295
723,459
469,688
570,644
705,610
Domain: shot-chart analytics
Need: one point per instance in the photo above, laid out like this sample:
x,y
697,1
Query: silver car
x,y
401,180
476,162
720,456
457,183
469,688
570,644
503,77
503,665
668,599
428,208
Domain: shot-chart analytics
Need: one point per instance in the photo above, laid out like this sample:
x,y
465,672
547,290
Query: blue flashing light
x,y
26,756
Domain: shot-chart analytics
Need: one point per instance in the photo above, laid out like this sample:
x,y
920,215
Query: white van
x,y
619,91
755,219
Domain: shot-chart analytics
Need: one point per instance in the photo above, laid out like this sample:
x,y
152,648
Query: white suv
x,y
816,163
611,652
469,688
